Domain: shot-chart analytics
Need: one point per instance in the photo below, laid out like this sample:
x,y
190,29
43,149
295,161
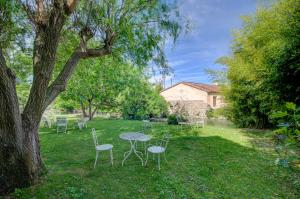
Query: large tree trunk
x,y
20,160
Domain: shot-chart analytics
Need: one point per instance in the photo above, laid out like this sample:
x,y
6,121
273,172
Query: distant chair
x,y
61,124
147,126
198,122
159,148
183,122
102,147
46,121
82,122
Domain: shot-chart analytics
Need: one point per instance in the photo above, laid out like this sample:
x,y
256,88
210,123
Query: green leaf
x,y
290,106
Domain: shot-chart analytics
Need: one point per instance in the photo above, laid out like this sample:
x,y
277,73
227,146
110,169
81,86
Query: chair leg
x,y
97,153
158,161
111,157
165,157
146,159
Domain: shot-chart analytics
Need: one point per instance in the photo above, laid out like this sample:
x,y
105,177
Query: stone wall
x,y
189,108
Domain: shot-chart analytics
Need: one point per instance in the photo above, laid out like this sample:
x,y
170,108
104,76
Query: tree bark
x,y
95,110
83,109
20,160
90,109
13,164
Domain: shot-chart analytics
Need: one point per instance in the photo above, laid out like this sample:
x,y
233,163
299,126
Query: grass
x,y
213,162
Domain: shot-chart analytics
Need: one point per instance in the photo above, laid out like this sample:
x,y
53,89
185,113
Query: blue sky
x,y
213,22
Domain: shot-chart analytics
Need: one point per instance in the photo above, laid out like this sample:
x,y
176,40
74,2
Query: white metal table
x,y
132,137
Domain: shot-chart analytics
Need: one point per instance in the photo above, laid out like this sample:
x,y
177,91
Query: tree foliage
x,y
264,69
109,85
57,35
142,100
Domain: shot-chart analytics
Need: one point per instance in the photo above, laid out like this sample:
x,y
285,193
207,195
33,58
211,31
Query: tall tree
x,y
98,86
264,69
132,29
142,101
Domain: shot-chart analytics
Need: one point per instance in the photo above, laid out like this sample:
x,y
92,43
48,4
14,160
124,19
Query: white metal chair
x,y
61,124
198,122
159,148
102,147
46,121
144,140
82,122
147,126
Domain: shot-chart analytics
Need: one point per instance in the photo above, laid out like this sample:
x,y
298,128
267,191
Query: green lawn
x,y
214,162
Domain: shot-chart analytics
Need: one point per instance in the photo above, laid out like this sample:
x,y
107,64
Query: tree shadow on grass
x,y
227,169
260,138
209,167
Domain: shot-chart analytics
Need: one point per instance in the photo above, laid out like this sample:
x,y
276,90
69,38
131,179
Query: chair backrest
x,y
95,137
164,142
61,120
147,126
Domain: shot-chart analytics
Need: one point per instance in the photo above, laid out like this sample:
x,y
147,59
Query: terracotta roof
x,y
204,87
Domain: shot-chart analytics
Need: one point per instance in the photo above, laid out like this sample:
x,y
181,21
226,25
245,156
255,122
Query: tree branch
x,y
4,70
60,83
48,31
97,52
30,13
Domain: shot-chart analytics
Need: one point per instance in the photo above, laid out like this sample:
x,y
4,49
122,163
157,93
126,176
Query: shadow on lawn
x,y
209,167
260,138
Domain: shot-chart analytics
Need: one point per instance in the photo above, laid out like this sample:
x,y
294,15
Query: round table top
x,y
131,136
145,138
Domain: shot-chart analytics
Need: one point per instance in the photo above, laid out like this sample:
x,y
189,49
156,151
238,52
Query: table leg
x,y
132,149
129,152
136,153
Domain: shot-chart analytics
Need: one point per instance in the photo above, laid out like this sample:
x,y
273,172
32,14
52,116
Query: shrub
x,y
143,102
288,133
210,113
172,119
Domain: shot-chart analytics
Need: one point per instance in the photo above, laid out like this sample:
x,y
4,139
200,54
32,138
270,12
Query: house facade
x,y
193,99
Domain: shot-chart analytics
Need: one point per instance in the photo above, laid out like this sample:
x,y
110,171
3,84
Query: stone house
x,y
193,99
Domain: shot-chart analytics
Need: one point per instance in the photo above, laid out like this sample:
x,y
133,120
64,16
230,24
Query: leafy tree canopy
x,y
264,69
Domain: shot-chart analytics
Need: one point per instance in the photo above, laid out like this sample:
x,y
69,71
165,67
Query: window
x,y
214,101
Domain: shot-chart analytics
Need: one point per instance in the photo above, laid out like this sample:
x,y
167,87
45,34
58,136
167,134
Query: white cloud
x,y
177,63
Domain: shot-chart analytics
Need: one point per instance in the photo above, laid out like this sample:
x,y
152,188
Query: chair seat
x,y
61,125
104,147
156,149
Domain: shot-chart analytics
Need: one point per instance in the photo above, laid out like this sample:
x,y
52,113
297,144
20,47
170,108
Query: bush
x,y
172,119
224,112
210,113
143,102
288,133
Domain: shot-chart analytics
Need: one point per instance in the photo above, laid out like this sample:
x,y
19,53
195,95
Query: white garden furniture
x,y
144,140
61,124
159,148
82,122
132,137
198,122
102,147
147,126
46,121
